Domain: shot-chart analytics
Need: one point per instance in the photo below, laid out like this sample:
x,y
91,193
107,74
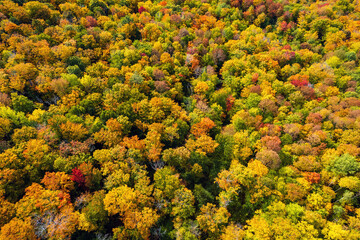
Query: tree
x,y
73,131
18,229
166,182
203,145
211,219
58,181
115,130
37,10
183,204
142,221
121,200
351,183
21,103
5,127
37,157
334,231
63,225
95,212
203,127
24,134
269,158
7,210
21,75
233,231
78,177
127,202
344,165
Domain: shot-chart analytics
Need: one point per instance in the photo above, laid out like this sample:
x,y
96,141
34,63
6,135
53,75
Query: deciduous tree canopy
x,y
197,119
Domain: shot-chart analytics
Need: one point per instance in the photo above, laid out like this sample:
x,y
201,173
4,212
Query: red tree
x,y
78,177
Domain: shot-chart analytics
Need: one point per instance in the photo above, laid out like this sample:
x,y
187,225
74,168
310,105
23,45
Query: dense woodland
x,y
179,119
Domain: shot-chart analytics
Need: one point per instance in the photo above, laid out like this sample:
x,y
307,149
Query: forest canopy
x,y
179,119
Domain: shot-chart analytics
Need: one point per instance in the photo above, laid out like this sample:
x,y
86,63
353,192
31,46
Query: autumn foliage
x,y
179,119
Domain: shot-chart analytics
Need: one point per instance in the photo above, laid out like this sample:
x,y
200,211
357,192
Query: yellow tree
x,y
233,232
18,229
211,219
134,212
